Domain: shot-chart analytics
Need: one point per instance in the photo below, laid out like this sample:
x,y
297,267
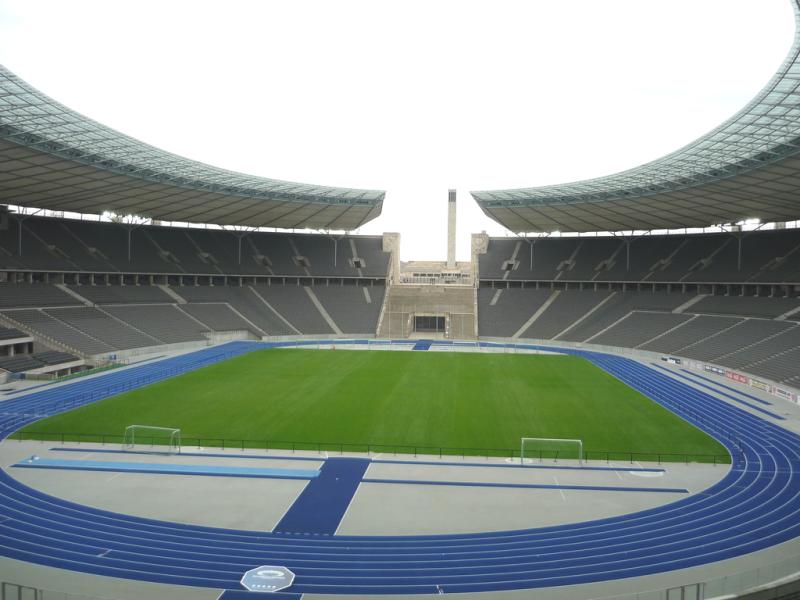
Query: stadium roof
x,y
748,167
51,157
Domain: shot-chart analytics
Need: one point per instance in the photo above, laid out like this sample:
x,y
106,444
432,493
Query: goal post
x,y
148,437
550,448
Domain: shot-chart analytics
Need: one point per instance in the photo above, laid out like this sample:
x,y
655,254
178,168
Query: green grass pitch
x,y
398,399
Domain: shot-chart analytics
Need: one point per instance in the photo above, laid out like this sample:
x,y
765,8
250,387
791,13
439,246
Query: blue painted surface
x,y
721,393
754,506
727,387
320,507
422,345
165,469
532,486
183,453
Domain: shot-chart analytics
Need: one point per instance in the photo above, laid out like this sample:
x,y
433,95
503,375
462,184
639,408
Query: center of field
x,y
394,401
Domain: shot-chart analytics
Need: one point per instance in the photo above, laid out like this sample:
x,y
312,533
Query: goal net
x,y
156,439
550,449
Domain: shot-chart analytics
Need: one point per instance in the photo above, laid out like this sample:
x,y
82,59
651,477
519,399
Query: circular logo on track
x,y
267,578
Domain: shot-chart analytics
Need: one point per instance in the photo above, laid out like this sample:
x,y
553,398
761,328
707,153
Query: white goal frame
x,y
169,433
578,443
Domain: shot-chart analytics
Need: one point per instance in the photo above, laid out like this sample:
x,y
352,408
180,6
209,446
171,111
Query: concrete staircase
x,y
456,303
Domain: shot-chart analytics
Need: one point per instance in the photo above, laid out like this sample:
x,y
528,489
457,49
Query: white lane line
x,y
560,491
114,476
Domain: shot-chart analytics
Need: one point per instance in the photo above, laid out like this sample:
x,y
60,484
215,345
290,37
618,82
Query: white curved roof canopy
x,y
748,167
54,158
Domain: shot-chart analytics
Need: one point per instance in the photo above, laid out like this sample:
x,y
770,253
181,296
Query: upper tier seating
x,y
91,246
767,257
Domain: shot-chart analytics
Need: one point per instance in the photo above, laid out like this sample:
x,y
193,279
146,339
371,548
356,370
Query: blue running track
x,y
754,506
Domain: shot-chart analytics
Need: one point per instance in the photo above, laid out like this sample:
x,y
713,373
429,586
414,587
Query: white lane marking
x,y
114,476
560,491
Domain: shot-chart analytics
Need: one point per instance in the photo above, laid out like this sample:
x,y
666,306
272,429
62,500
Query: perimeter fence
x,y
267,445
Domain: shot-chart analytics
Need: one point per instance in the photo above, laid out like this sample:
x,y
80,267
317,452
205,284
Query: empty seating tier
x,y
163,322
23,295
354,309
219,317
99,325
7,333
47,326
19,363
91,246
122,294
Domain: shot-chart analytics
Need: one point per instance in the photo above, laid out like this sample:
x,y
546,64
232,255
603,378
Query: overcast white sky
x,y
409,96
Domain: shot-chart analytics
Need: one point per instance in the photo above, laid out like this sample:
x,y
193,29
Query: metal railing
x,y
606,456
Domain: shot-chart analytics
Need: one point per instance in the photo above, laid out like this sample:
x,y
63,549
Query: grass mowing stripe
x,y
423,399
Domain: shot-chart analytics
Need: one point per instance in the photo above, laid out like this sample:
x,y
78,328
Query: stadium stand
x,y
749,306
295,305
244,300
219,317
28,362
620,305
355,309
97,324
161,321
9,333
19,363
502,312
567,309
48,328
118,294
50,244
22,295
713,257
638,328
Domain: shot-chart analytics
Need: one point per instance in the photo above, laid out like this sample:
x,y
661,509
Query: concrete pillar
x,y
451,229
